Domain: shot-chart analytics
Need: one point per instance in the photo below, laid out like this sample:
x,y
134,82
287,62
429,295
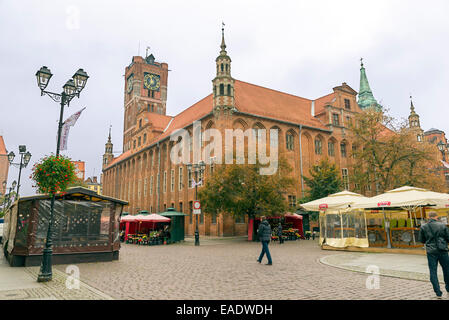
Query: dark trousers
x,y
433,259
265,250
281,240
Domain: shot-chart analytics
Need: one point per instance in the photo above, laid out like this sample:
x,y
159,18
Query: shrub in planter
x,y
53,174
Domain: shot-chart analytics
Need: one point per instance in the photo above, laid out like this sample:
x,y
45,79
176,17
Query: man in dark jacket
x,y
281,240
435,235
264,233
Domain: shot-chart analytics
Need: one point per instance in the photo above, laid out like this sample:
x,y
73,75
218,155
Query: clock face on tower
x,y
129,84
152,81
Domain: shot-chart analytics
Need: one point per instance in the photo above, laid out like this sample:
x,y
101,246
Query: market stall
x,y
176,229
394,217
85,228
145,228
340,225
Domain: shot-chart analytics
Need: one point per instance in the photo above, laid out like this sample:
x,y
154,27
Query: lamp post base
x,y
45,273
197,238
44,277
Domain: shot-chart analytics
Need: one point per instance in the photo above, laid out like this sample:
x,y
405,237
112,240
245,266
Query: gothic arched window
x,y
289,141
221,89
318,146
331,148
343,149
229,90
226,67
222,67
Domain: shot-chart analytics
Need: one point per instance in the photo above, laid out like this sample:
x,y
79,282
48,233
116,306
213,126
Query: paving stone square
x,y
227,269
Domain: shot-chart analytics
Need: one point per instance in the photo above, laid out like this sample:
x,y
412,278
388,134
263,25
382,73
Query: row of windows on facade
x,y
131,187
190,179
331,148
336,120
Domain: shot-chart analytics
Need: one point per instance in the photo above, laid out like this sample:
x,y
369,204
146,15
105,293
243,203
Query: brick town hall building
x,y
145,176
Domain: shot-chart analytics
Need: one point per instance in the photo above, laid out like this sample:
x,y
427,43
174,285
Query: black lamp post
x,y
197,168
72,88
24,160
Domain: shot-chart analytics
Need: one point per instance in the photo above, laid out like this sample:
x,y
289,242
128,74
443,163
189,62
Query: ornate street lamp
x,y
24,160
43,78
11,189
71,88
11,157
197,168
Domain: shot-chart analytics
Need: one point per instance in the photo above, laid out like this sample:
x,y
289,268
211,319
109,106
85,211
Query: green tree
x,y
241,190
324,180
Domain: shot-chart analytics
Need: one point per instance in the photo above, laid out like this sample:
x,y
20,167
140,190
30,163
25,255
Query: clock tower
x,y
223,83
145,91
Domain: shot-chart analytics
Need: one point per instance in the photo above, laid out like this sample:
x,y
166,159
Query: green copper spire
x,y
366,98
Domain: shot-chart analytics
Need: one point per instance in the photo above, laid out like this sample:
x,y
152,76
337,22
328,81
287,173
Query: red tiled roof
x,y
253,99
159,121
321,102
120,158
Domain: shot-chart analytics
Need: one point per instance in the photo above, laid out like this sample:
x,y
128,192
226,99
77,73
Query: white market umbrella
x,y
128,218
406,197
340,200
151,217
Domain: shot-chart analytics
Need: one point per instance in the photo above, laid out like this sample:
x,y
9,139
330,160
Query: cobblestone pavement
x,y
21,284
225,270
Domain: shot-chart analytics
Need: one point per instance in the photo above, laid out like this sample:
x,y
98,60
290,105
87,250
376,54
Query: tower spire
x,y
109,137
223,83
412,107
223,44
366,97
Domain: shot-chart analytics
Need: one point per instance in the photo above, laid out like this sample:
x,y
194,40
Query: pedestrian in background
x,y
264,233
281,240
435,235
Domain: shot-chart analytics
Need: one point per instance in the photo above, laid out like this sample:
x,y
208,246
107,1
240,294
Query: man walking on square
x,y
281,240
435,235
264,233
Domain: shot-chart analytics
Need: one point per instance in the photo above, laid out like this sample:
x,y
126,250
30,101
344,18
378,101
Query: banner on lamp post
x,y
70,122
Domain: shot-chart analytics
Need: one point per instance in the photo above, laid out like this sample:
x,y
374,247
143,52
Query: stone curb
x,y
382,272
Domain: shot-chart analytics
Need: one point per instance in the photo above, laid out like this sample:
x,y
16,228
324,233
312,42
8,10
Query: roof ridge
x,y
192,106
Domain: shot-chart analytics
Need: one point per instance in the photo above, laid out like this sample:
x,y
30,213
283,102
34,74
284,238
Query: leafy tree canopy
x,y
324,180
242,190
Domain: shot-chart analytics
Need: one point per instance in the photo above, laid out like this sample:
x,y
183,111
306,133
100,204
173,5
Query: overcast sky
x,y
303,48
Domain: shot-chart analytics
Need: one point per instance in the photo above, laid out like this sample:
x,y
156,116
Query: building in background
x,y
4,165
80,169
432,136
94,185
308,130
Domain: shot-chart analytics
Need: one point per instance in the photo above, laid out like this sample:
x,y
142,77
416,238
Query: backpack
x,y
440,242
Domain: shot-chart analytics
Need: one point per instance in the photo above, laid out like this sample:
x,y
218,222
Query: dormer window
x,y
347,104
335,119
140,123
